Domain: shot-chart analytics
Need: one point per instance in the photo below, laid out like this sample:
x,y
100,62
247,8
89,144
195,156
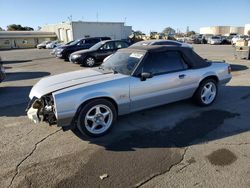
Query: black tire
x,y
197,97
86,108
89,61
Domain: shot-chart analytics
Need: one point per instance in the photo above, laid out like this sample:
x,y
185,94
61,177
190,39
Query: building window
x,y
7,42
86,36
25,42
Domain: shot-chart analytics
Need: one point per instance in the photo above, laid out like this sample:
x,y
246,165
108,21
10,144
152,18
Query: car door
x,y
105,50
172,80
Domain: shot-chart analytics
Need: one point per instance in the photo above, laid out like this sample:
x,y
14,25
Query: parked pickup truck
x,y
130,80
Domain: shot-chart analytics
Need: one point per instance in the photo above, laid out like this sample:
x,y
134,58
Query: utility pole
x,y
97,17
125,19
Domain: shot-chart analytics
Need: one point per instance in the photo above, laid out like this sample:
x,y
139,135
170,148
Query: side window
x,y
108,46
80,43
92,41
164,62
120,44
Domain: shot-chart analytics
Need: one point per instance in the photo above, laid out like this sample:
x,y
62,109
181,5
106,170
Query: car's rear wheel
x,y
89,62
97,118
206,94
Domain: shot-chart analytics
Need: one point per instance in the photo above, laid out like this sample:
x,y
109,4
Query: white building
x,y
24,39
68,31
247,28
221,30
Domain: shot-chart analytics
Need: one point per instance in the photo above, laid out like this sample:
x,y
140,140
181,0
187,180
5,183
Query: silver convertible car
x,y
130,80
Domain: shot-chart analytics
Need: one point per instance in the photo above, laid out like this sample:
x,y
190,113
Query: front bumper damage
x,y
42,109
32,114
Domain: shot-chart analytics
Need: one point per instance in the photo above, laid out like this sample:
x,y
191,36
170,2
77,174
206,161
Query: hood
x,y
62,46
82,52
61,81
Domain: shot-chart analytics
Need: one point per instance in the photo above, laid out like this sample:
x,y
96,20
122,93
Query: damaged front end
x,y
42,109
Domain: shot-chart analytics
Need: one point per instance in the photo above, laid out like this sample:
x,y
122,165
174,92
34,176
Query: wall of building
x,y
62,30
247,28
22,42
221,30
74,30
114,30
23,39
127,32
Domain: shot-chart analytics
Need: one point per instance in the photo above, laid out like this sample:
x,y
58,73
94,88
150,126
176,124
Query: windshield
x,y
75,42
123,62
97,46
70,42
215,37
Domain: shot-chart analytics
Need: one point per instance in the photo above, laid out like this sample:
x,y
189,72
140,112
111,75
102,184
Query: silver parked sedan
x,y
132,79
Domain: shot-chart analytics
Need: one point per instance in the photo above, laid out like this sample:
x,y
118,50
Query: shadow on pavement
x,y
236,67
13,76
184,132
15,61
14,100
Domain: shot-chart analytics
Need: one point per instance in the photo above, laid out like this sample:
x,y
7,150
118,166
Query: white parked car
x,y
43,44
239,37
215,40
53,44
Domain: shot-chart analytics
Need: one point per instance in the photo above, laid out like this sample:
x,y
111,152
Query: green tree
x,y
248,32
1,29
17,27
153,34
138,32
190,33
168,31
28,28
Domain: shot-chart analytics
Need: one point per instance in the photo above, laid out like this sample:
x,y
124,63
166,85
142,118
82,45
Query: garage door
x,y
69,35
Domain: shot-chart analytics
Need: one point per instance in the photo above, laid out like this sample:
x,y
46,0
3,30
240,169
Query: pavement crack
x,y
30,153
158,174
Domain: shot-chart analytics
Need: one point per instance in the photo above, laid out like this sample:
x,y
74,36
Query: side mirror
x,y
145,76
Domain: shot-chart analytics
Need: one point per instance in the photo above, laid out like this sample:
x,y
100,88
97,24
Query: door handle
x,y
181,76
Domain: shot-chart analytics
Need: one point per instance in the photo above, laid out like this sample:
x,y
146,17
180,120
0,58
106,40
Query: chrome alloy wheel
x,y
90,61
208,93
98,119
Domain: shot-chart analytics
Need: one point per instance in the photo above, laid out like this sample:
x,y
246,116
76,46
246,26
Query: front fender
x,y
68,101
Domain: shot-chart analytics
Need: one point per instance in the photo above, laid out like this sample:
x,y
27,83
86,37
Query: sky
x,y
144,15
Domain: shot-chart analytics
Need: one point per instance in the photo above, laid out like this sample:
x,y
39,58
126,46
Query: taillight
x,y
229,69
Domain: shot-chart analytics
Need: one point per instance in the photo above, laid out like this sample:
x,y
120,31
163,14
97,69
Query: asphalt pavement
x,y
175,145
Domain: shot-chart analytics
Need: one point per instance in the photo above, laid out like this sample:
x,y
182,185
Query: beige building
x,y
247,28
23,39
68,31
221,30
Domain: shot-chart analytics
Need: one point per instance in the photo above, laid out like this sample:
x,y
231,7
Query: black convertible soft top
x,y
193,59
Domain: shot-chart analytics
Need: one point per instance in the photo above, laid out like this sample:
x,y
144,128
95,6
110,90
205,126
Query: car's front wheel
x,y
89,62
206,94
97,118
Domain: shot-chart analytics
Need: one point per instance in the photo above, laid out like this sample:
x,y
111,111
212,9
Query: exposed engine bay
x,y
42,110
